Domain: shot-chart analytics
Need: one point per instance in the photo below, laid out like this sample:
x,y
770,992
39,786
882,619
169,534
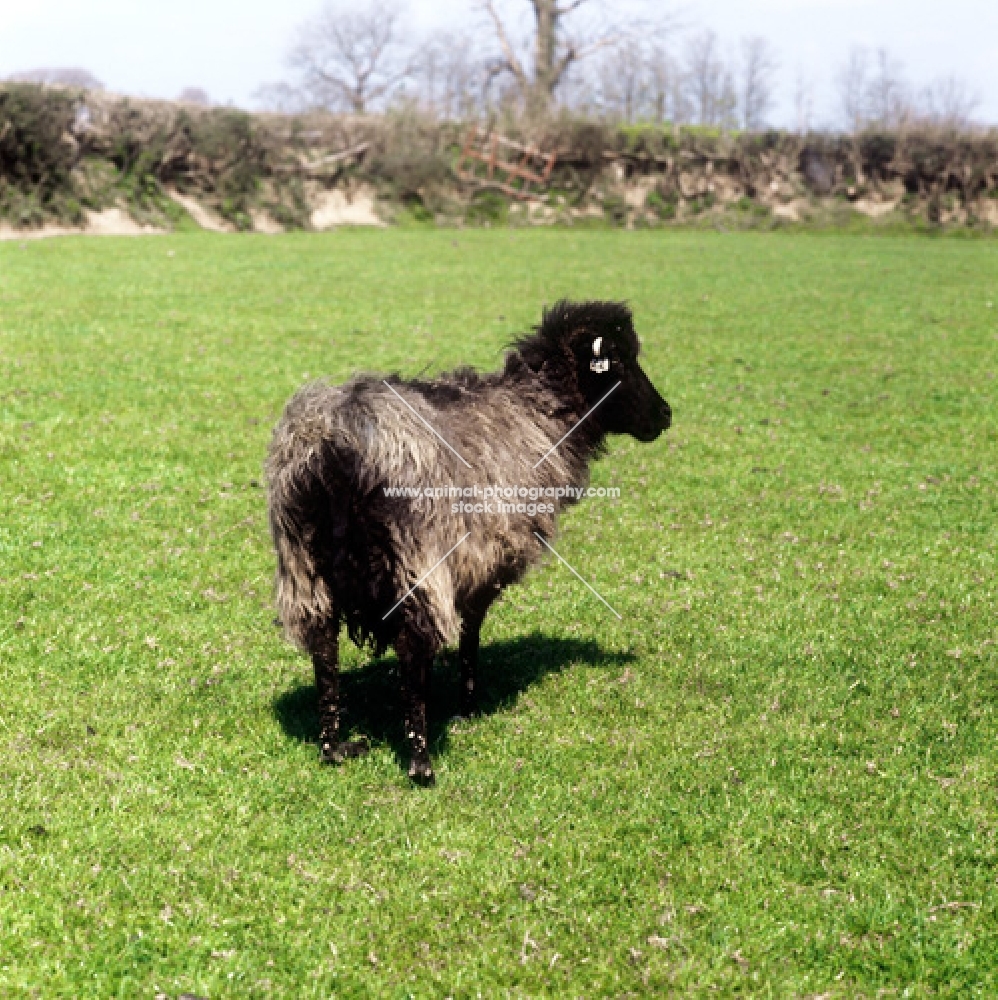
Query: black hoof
x,y
422,774
336,753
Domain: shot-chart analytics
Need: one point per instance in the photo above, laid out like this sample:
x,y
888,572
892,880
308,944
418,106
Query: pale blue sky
x,y
230,47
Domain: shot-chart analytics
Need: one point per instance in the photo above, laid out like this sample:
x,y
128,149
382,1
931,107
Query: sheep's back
x,y
365,438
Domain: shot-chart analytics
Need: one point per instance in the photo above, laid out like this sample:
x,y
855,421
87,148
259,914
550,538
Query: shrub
x,y
37,153
663,205
754,208
411,154
878,150
647,138
487,208
615,209
227,142
290,207
413,203
703,203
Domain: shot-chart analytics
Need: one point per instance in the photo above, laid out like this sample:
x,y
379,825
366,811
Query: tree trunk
x,y
553,54
546,71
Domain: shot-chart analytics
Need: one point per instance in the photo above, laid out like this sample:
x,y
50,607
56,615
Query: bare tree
x,y
283,98
351,56
633,81
803,102
709,82
873,92
561,37
949,103
194,95
886,95
623,81
666,88
66,77
755,98
449,77
852,83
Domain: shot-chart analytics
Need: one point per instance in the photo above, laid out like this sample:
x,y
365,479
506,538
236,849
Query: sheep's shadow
x,y
371,696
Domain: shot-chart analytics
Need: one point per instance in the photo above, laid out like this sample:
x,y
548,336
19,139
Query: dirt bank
x,y
113,166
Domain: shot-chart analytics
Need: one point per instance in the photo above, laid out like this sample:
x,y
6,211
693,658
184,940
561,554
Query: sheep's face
x,y
606,355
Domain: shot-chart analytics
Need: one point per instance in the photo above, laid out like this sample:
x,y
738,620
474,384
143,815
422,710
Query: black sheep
x,y
414,574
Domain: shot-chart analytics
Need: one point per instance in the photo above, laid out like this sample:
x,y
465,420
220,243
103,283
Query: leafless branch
x,y
559,42
710,82
852,81
513,64
756,81
351,58
887,101
563,9
803,102
949,103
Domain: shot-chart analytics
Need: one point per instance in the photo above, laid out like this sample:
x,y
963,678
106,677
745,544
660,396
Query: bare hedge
x,y
63,151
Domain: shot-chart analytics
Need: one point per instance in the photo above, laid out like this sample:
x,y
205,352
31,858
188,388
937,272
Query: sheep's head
x,y
599,338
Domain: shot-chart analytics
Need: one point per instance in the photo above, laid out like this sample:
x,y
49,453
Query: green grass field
x,y
777,775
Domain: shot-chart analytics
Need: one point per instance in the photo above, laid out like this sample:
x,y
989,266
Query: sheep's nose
x,y
665,417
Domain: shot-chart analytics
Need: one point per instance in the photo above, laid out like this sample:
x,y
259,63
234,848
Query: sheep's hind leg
x,y
471,628
416,660
325,660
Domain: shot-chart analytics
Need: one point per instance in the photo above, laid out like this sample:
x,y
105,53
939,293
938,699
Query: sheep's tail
x,y
304,601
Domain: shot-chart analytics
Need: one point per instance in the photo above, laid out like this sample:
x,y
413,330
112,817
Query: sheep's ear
x,y
582,343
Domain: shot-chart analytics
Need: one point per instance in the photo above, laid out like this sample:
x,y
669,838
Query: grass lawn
x,y
776,775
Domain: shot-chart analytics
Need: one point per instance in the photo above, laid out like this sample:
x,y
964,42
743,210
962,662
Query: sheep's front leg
x,y
325,660
416,660
471,628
